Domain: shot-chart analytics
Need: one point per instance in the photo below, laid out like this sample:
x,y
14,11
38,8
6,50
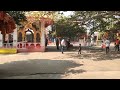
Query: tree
x,y
67,28
97,20
18,16
7,24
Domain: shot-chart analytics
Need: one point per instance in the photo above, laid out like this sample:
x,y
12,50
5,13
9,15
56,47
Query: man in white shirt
x,y
63,42
107,43
62,45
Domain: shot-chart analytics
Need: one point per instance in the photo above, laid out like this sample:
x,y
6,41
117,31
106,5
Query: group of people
x,y
61,43
106,45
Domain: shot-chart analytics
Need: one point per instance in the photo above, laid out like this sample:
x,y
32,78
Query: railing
x,y
22,45
7,45
26,45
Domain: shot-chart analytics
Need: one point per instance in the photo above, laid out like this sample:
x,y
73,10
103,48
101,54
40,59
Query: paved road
x,y
91,64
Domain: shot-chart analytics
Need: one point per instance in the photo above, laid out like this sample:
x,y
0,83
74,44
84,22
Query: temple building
x,y
28,38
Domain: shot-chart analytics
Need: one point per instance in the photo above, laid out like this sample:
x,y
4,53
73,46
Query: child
x,y
62,48
79,50
103,45
107,45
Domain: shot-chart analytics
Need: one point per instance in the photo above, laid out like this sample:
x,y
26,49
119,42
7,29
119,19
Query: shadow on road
x,y
54,49
76,71
32,67
95,54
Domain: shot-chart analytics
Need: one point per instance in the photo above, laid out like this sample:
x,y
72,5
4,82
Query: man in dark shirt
x,y
57,43
46,42
117,42
79,49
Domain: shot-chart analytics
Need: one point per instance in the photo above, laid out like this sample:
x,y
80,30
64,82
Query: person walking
x,y
107,44
57,43
67,43
46,42
79,49
62,45
117,42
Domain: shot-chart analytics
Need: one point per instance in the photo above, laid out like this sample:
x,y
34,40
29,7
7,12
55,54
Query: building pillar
x,y
15,37
23,36
43,35
1,40
34,36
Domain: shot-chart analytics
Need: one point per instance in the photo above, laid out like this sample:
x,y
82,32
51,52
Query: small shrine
x,y
30,37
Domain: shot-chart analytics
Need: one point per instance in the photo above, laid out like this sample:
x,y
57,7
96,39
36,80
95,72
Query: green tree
x,y
67,28
100,21
18,16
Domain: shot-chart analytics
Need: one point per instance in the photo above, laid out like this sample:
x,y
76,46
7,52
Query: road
x,y
91,64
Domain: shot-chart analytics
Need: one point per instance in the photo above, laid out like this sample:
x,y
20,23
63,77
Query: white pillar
x,y
1,40
43,35
15,37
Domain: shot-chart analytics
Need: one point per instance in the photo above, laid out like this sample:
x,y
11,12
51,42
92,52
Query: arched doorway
x,y
29,35
38,38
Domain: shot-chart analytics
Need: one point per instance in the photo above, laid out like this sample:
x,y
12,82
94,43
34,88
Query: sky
x,y
67,13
